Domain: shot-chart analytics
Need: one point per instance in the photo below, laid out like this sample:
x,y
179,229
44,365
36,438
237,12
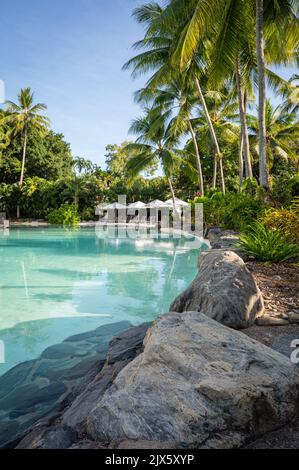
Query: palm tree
x,y
155,142
83,166
260,49
223,112
24,116
177,98
282,134
157,48
227,27
291,95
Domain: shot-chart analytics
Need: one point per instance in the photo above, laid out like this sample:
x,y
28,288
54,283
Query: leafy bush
x,y
231,211
286,220
284,189
65,215
251,187
88,214
266,244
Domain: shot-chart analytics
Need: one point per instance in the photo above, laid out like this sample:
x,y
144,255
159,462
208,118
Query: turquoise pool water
x,y
55,283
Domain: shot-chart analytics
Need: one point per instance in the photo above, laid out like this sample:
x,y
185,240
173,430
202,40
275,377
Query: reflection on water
x,y
56,283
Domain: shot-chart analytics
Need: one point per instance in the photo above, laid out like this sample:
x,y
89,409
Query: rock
x,y
197,384
15,377
224,290
285,438
213,233
122,349
271,321
59,351
293,317
8,429
86,445
220,238
141,445
57,437
28,396
283,343
37,389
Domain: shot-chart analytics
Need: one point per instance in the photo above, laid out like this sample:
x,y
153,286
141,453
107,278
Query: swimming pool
x,y
57,282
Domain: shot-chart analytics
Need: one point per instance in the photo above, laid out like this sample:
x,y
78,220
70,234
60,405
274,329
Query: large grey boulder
x,y
197,384
224,290
122,349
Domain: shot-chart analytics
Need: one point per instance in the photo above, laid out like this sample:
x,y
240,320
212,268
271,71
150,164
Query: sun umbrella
x,y
136,205
114,206
156,204
178,202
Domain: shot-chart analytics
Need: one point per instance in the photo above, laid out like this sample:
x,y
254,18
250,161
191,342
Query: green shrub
x,y
266,244
284,189
231,211
65,215
88,214
286,220
250,187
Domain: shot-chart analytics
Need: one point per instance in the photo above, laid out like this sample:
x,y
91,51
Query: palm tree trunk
x,y
241,162
243,120
23,168
172,194
221,173
214,180
198,161
260,47
212,132
24,157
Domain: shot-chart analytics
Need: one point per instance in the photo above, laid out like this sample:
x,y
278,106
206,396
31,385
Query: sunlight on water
x,y
55,283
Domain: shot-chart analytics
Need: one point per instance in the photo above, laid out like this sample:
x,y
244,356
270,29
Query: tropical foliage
x,y
283,219
265,244
66,215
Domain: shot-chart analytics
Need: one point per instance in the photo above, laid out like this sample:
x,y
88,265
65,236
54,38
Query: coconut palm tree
x,y
260,49
157,47
83,166
226,24
224,114
25,115
291,95
176,98
282,134
155,142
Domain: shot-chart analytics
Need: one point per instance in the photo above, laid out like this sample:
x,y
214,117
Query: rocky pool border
x,y
62,423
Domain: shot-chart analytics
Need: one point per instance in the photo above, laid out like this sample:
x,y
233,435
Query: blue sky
x,y
70,52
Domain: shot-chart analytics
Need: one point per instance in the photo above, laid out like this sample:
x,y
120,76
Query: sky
x,y
71,53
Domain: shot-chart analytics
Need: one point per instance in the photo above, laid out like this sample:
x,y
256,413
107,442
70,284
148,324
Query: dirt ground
x,y
279,285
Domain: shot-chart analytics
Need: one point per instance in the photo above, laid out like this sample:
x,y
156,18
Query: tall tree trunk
x,y
172,194
221,173
23,168
243,120
212,132
24,157
260,47
198,161
241,162
214,180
